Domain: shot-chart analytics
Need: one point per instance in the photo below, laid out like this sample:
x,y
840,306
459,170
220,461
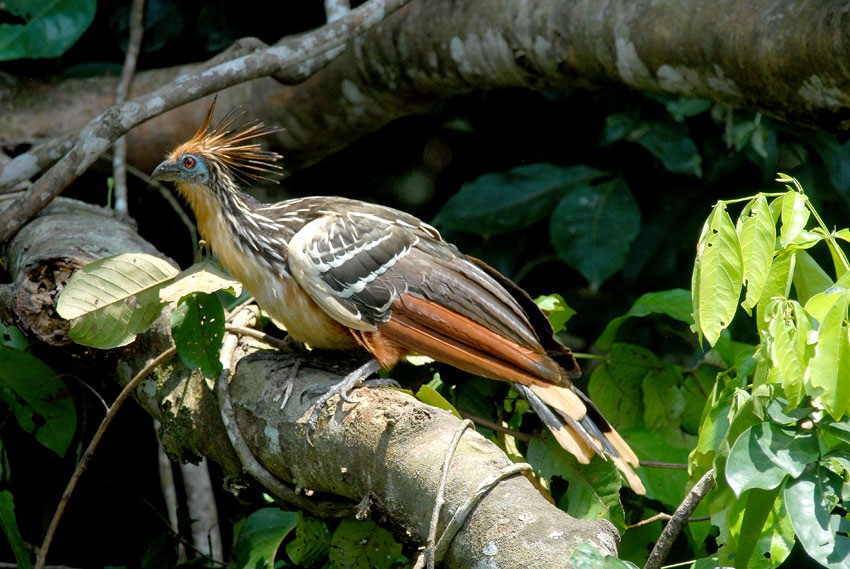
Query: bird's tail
x,y
580,428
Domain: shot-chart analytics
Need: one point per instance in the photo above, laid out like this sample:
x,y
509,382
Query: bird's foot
x,y
356,378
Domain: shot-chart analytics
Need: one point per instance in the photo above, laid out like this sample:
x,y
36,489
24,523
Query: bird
x,y
343,274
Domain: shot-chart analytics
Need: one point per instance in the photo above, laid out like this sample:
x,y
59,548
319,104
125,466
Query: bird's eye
x,y
189,162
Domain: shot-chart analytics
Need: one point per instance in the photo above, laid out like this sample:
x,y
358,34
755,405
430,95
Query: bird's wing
x,y
374,274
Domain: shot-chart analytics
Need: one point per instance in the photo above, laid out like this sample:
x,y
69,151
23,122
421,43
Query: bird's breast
x,y
277,292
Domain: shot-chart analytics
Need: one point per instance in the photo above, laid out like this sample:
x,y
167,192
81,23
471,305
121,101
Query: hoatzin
x,y
341,274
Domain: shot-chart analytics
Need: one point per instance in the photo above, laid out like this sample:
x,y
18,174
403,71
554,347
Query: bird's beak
x,y
167,172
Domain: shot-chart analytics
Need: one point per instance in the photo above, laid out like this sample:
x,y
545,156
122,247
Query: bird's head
x,y
218,157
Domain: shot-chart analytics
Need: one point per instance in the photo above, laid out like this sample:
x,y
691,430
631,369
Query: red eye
x,y
189,162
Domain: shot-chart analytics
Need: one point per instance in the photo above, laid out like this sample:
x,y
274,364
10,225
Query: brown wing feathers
x,y
451,312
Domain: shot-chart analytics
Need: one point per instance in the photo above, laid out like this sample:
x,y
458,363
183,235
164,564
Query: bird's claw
x,y
343,389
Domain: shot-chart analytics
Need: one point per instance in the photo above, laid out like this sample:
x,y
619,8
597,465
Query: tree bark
x,y
780,58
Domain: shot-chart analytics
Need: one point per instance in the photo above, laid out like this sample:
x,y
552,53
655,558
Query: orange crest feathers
x,y
230,145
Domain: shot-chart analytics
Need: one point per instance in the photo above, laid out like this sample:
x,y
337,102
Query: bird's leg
x,y
342,388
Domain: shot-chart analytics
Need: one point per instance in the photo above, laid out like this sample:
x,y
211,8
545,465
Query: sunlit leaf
x,y
757,236
829,367
594,490
200,277
765,454
113,299
809,277
810,500
718,271
794,217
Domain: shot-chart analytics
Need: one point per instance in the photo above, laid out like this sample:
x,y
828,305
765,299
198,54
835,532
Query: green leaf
x,y
197,326
33,390
616,385
11,337
787,348
666,485
810,500
765,454
669,142
829,368
9,523
778,283
556,309
794,215
757,236
260,537
759,505
42,29
718,274
593,227
312,541
663,400
432,397
594,489
501,202
363,545
809,278
200,277
111,300
675,303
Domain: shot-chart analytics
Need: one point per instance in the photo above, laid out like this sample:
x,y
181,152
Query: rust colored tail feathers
x,y
339,273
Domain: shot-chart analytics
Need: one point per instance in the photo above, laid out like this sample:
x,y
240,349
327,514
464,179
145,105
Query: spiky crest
x,y
226,143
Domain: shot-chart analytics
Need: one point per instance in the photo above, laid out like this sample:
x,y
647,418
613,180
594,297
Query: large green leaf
x,y
810,500
718,275
501,202
765,454
42,28
260,537
757,236
794,215
829,368
593,227
38,398
111,300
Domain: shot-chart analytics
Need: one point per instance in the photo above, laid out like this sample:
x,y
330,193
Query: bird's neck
x,y
230,222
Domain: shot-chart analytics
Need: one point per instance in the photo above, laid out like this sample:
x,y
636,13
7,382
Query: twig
x,y
119,158
291,60
276,343
667,465
678,520
41,554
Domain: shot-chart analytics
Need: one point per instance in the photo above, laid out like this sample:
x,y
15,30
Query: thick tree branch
x,y
785,59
